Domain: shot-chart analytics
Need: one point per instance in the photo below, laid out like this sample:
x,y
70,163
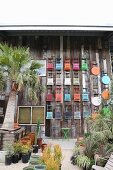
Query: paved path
x,y
67,149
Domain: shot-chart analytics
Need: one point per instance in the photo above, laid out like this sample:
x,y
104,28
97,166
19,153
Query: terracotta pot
x,y
39,142
32,137
44,145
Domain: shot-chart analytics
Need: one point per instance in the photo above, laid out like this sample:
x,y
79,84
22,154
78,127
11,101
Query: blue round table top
x,y
105,79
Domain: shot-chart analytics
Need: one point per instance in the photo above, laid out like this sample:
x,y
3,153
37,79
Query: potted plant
x,y
52,157
37,129
83,162
39,138
17,152
76,152
49,160
39,167
30,167
8,159
43,146
58,154
25,153
34,159
8,156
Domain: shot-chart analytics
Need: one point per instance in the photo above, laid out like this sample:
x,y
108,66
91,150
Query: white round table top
x,y
96,101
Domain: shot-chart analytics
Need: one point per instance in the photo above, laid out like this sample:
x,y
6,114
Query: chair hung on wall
x,y
86,111
58,111
55,129
50,65
76,80
67,79
49,114
50,78
67,95
68,111
77,112
76,65
58,63
77,93
49,96
58,95
85,95
84,65
58,78
67,65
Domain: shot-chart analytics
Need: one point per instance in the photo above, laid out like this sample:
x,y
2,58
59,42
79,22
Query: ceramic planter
x,y
28,168
44,145
40,167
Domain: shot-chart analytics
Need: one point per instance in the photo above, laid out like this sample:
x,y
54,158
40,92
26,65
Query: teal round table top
x,y
105,80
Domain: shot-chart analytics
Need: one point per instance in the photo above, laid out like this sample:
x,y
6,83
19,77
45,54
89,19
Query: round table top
x,y
96,101
105,79
95,70
105,94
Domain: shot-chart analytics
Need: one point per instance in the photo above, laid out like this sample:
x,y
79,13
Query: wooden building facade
x,y
77,75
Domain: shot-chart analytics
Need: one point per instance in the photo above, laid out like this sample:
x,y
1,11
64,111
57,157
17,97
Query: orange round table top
x,y
95,70
106,94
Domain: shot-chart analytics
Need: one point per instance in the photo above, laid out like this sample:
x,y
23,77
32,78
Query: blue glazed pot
x,y
40,167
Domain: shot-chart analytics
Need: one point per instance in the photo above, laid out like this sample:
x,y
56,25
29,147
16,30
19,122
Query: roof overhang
x,y
54,28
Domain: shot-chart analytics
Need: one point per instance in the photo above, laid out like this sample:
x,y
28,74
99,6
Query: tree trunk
x,y
10,111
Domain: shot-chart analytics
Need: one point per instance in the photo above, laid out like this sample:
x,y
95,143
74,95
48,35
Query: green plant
x,y
16,64
25,149
52,157
90,146
100,131
37,130
9,148
58,153
83,161
17,147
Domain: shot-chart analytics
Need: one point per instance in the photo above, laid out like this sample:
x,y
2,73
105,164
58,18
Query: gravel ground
x,y
67,149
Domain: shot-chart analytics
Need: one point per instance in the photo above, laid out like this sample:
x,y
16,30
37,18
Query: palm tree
x,y
13,62
2,81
